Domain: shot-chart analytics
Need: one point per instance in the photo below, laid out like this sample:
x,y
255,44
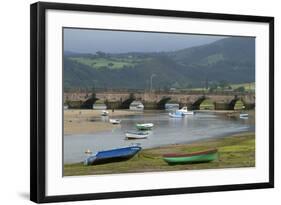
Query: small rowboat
x,y
195,157
136,135
113,155
104,113
114,121
145,126
244,115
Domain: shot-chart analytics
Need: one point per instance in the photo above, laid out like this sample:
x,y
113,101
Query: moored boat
x,y
176,115
136,135
244,115
185,111
113,155
195,157
136,106
144,126
114,121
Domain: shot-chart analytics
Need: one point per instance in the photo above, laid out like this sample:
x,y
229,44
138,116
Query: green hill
x,y
230,59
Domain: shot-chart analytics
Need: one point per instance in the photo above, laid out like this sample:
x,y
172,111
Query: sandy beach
x,y
88,121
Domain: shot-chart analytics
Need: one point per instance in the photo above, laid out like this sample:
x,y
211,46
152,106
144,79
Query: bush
x,y
240,89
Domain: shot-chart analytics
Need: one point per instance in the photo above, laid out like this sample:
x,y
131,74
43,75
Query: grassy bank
x,y
234,151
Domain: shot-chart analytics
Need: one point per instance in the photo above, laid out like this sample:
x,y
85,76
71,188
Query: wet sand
x,y
88,121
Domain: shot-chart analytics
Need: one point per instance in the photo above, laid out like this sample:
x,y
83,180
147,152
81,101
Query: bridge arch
x,y
125,103
88,104
234,101
207,104
163,101
196,104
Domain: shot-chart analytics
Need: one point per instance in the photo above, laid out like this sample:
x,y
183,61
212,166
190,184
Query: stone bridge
x,y
157,100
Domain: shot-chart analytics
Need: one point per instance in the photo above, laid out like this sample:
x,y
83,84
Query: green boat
x,y
144,126
195,157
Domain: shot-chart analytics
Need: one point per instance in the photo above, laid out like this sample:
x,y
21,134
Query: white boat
x,y
104,113
99,107
171,106
136,106
185,111
244,115
114,121
176,115
144,126
136,135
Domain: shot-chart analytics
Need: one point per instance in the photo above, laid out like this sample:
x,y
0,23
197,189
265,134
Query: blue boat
x,y
113,155
176,114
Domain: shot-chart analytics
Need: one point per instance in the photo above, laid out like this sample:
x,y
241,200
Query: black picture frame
x,y
38,101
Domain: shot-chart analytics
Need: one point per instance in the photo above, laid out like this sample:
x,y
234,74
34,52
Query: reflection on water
x,y
166,131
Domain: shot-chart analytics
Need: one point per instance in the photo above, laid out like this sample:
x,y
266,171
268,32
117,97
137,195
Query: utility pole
x,y
151,78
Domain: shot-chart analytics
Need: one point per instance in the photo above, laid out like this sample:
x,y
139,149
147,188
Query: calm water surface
x,y
166,131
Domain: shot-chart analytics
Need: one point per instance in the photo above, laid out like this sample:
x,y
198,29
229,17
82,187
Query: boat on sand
x,y
194,157
113,155
104,113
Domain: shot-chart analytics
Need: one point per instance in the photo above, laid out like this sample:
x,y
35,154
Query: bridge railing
x,y
167,92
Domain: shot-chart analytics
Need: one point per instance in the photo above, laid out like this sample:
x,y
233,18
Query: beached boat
x,y
113,155
176,115
185,111
136,135
114,121
195,157
104,113
144,126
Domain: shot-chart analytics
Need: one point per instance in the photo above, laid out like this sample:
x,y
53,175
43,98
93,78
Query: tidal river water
x,y
166,131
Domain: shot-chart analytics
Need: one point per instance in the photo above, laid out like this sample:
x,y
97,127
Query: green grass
x,y
247,86
109,63
239,105
207,105
234,151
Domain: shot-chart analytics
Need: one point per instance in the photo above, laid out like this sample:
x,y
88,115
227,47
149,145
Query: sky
x,y
91,41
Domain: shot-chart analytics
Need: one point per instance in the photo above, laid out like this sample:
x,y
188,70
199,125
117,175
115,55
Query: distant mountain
x,y
231,60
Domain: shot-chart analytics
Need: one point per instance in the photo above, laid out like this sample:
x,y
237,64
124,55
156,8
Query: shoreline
x,y
80,121
236,150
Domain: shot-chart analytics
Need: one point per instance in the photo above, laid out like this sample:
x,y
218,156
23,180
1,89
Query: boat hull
x,y
135,136
114,121
114,155
206,156
175,115
148,126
